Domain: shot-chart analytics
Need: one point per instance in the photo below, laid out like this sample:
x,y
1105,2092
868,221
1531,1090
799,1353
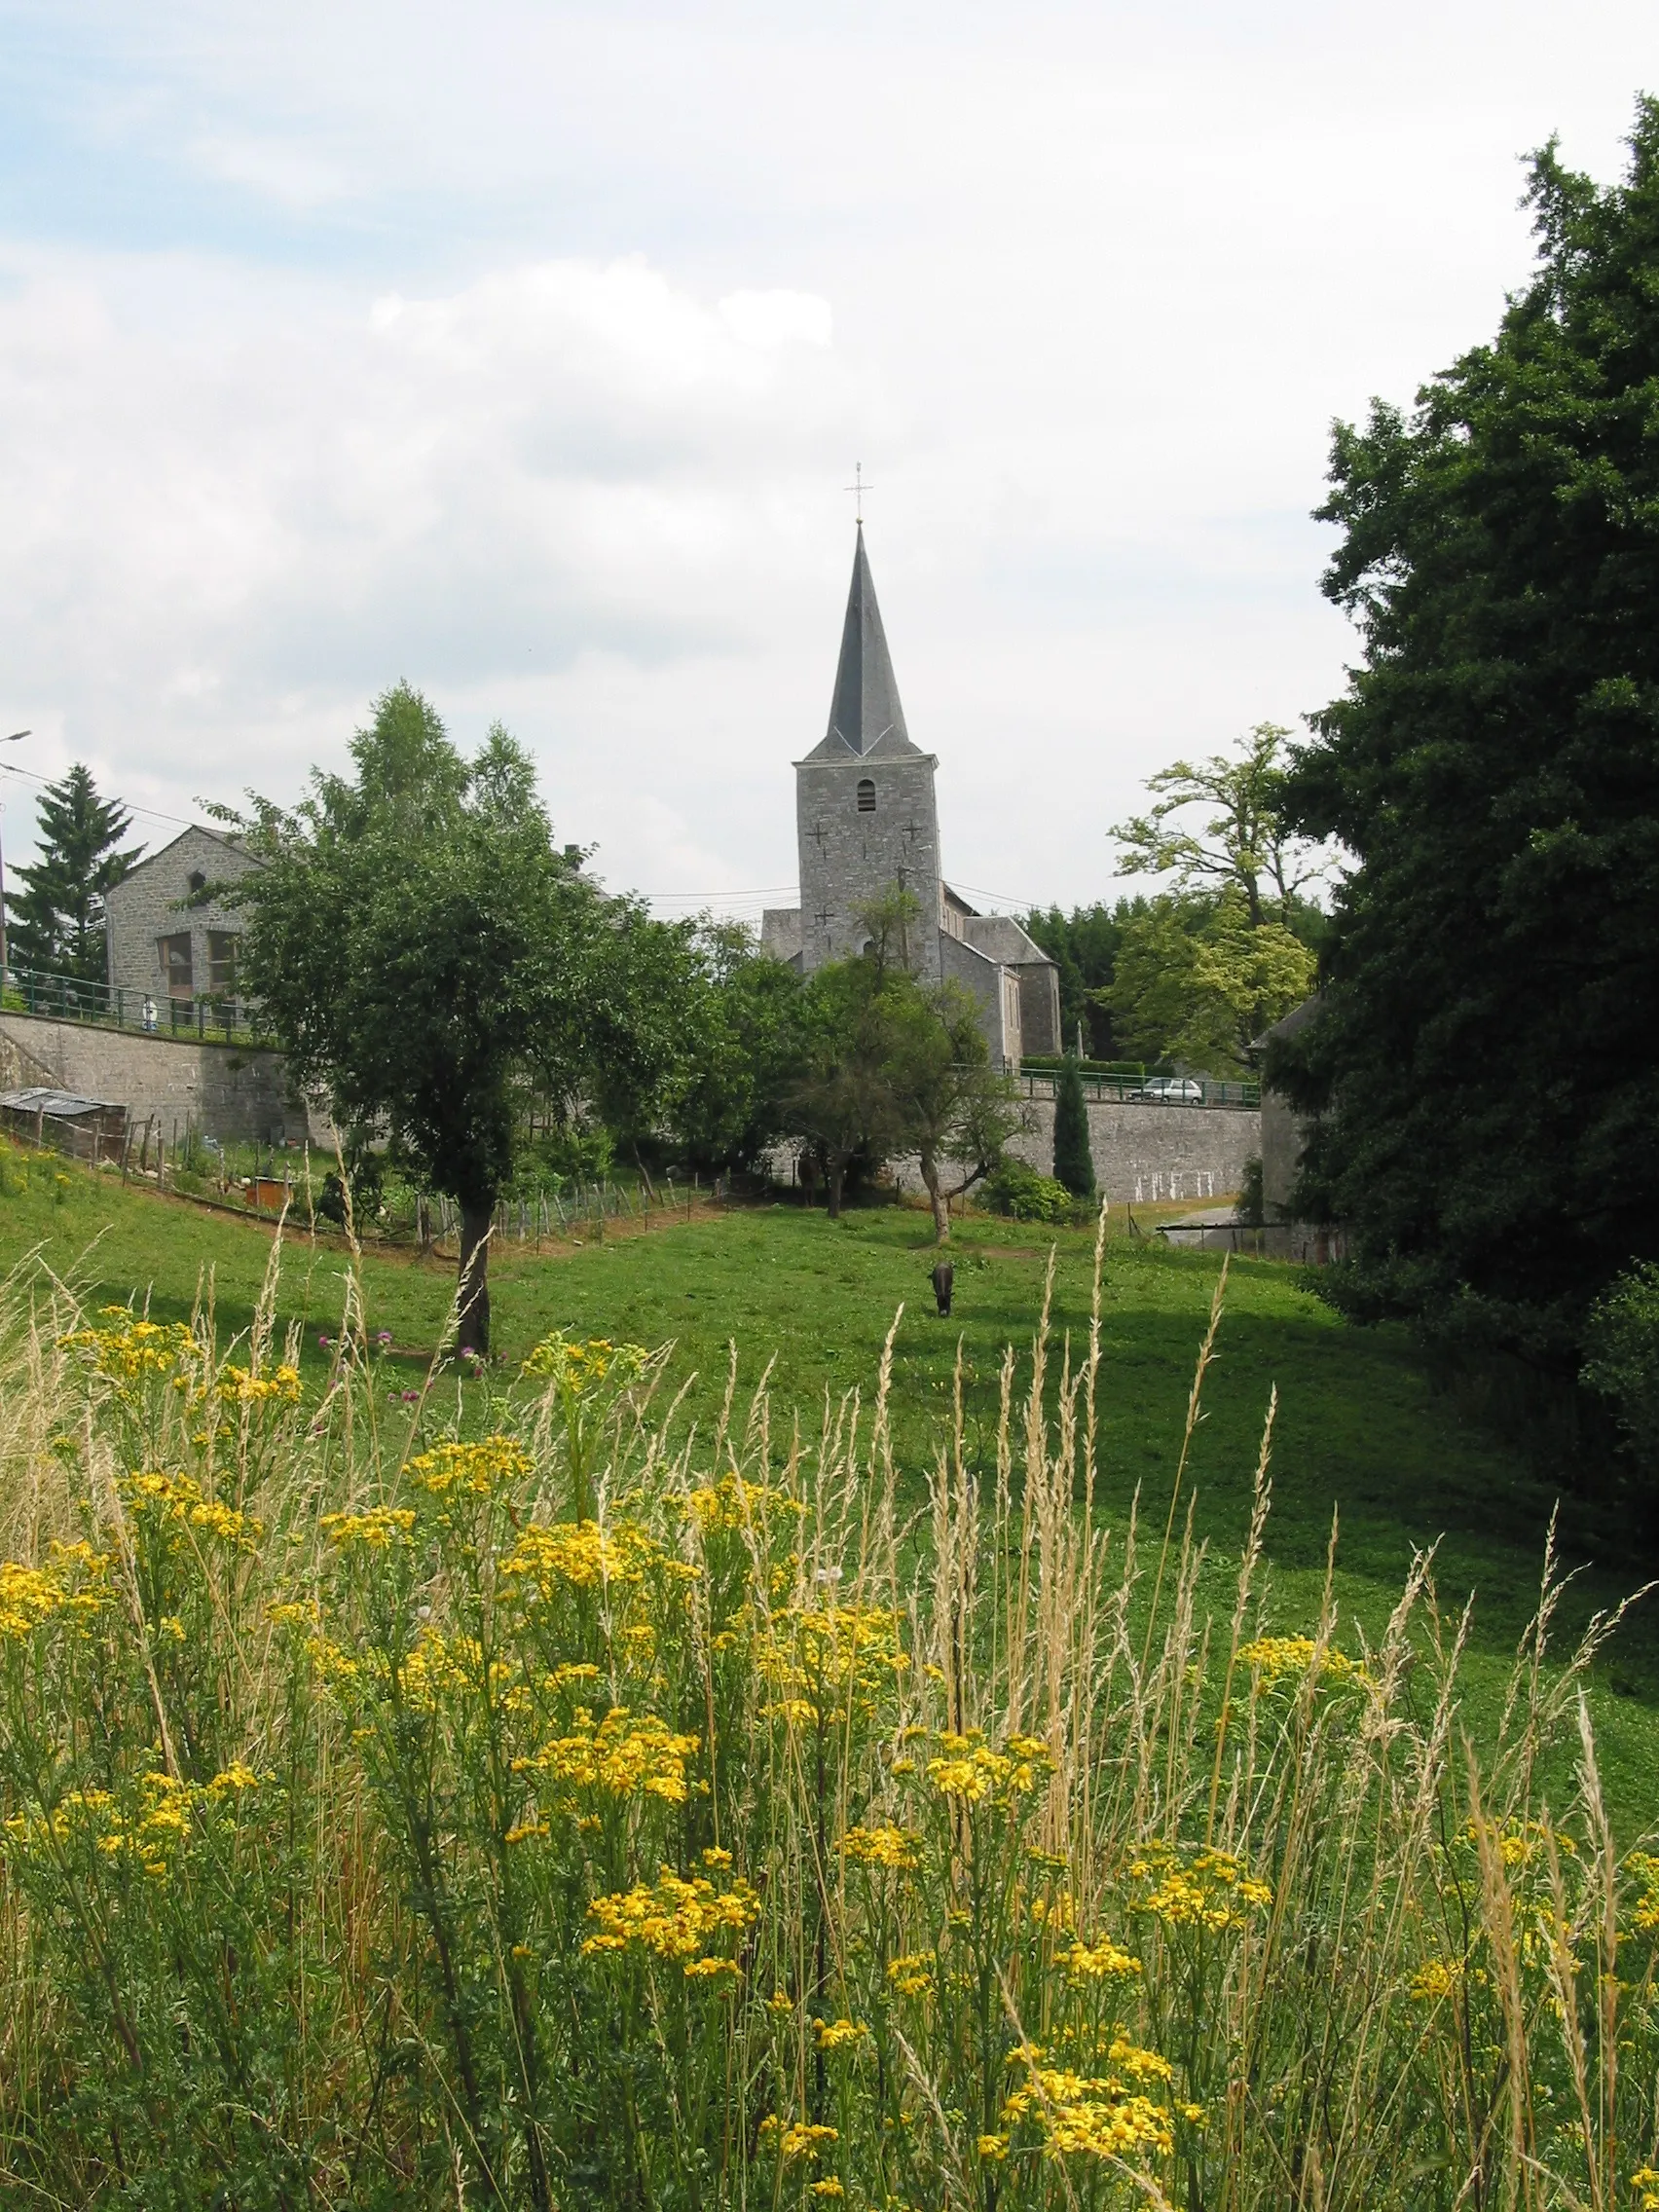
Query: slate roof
x,y
865,719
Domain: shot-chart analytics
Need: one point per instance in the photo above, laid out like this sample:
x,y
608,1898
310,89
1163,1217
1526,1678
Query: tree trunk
x,y
475,1293
836,1177
936,1192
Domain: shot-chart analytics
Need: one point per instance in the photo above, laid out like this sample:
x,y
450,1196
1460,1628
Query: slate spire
x,y
864,712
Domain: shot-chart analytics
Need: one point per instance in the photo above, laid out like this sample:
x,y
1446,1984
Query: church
x,y
866,818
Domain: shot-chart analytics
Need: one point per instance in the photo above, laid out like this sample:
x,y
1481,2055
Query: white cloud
x,y
224,541
524,348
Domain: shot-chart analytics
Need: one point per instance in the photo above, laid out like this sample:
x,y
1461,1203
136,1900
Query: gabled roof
x,y
231,843
866,718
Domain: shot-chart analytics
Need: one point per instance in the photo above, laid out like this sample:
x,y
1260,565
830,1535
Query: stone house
x,y
866,818
159,945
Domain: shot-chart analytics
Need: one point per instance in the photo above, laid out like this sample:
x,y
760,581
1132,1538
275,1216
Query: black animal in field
x,y
944,1276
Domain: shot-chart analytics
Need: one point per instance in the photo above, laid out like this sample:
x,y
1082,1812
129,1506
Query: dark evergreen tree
x,y
1487,1054
56,923
1074,1163
1084,947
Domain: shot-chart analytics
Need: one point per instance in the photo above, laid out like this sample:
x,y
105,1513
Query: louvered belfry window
x,y
867,794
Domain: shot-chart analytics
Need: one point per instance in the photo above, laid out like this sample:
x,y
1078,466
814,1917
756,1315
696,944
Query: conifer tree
x,y
1486,1052
1074,1163
57,921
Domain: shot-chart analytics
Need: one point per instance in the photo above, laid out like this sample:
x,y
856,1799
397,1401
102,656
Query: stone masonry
x,y
226,1092
159,947
866,820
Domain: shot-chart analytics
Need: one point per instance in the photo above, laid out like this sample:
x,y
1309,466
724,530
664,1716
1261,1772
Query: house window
x,y
867,796
222,963
197,881
176,965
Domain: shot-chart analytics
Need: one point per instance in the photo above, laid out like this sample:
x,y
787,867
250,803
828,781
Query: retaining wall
x,y
222,1090
1145,1154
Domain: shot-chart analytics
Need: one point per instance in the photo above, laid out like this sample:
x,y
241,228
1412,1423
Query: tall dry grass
x,y
525,1797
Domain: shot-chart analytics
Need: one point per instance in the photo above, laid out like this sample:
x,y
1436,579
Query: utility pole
x,y
17,737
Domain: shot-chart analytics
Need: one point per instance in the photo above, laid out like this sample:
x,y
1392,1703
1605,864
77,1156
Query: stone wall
x,y
149,906
848,858
1146,1155
993,989
222,1090
1143,1155
1283,1135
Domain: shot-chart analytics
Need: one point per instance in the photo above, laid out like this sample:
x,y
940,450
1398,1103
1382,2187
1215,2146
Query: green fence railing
x,y
208,1016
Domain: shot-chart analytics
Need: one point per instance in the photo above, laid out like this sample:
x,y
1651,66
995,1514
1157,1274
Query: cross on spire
x,y
859,488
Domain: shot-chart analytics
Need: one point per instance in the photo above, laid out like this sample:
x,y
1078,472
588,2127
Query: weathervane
x,y
859,488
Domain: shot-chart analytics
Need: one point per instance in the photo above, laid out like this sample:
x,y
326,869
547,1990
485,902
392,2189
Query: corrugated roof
x,y
57,1105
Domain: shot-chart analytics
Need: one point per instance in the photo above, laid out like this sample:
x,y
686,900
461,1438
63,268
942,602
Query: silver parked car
x,y
1172,1090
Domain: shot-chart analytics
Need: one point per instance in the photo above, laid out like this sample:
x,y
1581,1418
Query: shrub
x,y
573,1811
1019,1192
1250,1199
1622,1341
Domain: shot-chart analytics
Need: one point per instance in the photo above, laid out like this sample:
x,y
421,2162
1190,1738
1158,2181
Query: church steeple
x,y
864,714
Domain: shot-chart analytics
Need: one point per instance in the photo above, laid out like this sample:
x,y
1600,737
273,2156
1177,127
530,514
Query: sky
x,y
525,351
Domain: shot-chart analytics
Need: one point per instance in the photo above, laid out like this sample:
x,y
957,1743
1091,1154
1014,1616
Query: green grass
x,y
1361,1430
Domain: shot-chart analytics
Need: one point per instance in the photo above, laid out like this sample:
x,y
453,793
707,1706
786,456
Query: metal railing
x,y
1192,1091
210,1018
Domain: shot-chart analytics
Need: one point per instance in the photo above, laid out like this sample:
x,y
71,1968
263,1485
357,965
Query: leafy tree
x,y
423,952
744,1019
57,921
1195,982
949,1102
1622,1341
1074,1163
842,1099
639,1031
1246,844
884,1064
1483,1059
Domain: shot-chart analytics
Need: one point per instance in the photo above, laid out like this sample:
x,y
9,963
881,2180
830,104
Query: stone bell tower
x,y
866,815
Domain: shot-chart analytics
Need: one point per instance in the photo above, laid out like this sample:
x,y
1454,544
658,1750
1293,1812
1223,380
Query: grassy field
x,y
1360,1431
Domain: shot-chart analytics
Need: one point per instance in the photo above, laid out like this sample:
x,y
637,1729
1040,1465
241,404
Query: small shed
x,y
85,1128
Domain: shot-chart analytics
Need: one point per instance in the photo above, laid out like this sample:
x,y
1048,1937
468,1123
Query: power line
x,y
688,898
130,806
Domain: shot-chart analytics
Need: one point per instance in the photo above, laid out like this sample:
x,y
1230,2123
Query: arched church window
x,y
867,794
197,881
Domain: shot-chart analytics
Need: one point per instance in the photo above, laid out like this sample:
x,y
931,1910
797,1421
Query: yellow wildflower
x,y
580,1553
1435,1979
969,1769
1270,1658
804,2137
673,1919
238,1385
377,1530
1090,1961
879,1847
129,1348
580,1368
623,1755
913,1974
479,1469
